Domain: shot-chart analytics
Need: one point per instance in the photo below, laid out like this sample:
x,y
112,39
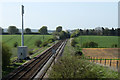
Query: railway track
x,y
29,70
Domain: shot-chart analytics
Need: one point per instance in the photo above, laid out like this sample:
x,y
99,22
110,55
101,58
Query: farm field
x,y
103,53
108,53
103,41
29,40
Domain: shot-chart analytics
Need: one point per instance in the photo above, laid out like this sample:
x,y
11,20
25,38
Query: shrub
x,y
78,52
73,42
38,43
51,40
71,67
6,55
15,44
114,46
90,45
30,52
44,44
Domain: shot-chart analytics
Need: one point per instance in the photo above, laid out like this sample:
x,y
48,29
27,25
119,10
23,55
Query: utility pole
x,y
22,37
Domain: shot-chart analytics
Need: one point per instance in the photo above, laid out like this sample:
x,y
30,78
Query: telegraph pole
x,y
22,43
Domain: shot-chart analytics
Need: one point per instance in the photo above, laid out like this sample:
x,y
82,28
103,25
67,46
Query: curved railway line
x,y
30,69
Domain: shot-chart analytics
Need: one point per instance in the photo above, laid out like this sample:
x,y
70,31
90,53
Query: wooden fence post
x,y
93,59
100,60
117,65
110,62
105,61
96,59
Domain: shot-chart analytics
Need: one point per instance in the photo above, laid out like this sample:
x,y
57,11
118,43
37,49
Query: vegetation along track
x,y
30,69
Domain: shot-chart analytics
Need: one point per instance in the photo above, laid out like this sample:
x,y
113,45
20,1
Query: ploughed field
x,y
103,53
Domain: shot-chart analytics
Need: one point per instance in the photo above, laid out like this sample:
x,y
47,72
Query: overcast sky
x,y
70,15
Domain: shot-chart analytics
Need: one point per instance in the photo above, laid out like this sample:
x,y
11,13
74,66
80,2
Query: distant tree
x,y
87,32
43,30
59,29
1,30
112,32
81,32
118,31
103,31
13,30
28,30
98,30
106,32
6,55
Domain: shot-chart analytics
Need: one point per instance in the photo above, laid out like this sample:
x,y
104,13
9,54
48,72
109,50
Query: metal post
x,y
22,43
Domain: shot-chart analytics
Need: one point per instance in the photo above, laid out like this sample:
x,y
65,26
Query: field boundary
x,y
114,63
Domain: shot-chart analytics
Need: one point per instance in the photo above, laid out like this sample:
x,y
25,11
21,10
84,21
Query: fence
x,y
107,62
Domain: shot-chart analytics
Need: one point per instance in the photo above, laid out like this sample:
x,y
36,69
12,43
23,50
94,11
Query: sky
x,y
70,15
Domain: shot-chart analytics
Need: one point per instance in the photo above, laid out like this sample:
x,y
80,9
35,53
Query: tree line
x,y
97,31
43,31
14,30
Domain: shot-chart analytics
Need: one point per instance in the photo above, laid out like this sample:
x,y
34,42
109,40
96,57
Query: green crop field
x,y
29,40
103,41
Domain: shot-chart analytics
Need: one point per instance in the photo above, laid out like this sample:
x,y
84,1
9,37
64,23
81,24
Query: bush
x,y
15,44
71,67
6,55
90,45
73,42
38,43
51,40
44,44
114,46
78,52
30,52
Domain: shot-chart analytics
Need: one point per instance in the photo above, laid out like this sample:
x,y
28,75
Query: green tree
x,y
28,30
63,35
59,29
13,30
5,56
43,30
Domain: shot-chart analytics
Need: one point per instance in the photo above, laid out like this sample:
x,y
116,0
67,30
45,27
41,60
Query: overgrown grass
x,y
11,68
71,67
103,41
15,65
